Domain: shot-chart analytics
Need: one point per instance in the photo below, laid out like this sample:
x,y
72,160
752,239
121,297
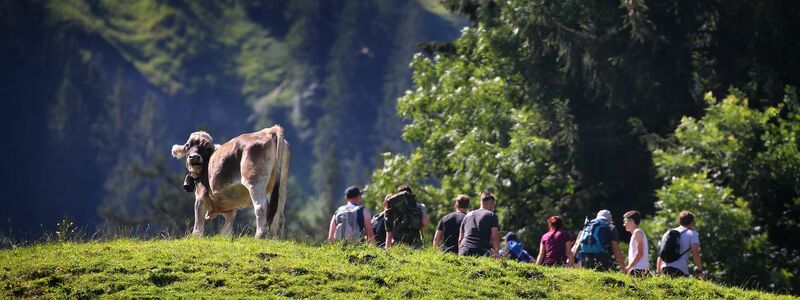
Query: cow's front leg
x,y
227,229
199,217
258,193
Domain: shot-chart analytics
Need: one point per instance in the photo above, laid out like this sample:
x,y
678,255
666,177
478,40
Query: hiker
x,y
352,220
478,235
674,246
378,223
554,244
596,243
446,236
638,257
514,249
405,218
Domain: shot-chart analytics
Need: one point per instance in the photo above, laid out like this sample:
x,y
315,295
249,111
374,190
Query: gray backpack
x,y
348,227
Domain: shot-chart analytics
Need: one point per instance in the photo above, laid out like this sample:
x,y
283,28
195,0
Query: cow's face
x,y
197,150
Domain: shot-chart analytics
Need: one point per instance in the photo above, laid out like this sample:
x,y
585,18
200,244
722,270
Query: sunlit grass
x,y
245,267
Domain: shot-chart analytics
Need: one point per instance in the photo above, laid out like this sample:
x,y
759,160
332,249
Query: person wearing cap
x,y
353,197
479,235
554,244
446,235
514,248
602,261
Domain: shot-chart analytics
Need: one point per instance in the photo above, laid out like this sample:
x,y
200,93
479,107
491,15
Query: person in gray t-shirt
x,y
479,230
689,245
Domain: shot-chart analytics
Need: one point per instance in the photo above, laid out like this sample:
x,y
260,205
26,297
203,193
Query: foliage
x,y
650,60
732,161
246,268
472,137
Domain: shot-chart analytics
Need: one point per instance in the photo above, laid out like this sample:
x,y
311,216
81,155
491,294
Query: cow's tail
x,y
276,197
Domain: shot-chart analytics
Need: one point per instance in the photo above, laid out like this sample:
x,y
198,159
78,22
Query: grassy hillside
x,y
244,267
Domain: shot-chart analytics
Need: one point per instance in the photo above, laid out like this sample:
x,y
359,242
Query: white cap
x,y
605,215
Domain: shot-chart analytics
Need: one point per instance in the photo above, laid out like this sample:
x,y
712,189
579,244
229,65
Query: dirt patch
x,y
162,277
477,274
297,271
532,274
612,282
215,282
361,260
266,256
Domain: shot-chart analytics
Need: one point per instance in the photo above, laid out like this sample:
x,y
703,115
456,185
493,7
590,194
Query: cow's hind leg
x,y
258,193
279,190
227,229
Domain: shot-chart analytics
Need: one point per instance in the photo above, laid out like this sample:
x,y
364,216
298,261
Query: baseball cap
x,y
510,236
352,192
605,215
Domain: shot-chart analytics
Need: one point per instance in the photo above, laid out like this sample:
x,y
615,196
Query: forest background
x,y
562,107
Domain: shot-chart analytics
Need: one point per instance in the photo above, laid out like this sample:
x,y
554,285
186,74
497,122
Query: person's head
x,y
487,201
686,219
631,220
404,188
510,236
353,195
605,215
555,223
461,202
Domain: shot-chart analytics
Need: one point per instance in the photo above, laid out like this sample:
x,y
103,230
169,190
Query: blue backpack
x,y
594,238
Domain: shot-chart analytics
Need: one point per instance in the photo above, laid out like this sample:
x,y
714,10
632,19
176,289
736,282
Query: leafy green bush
x,y
736,170
473,134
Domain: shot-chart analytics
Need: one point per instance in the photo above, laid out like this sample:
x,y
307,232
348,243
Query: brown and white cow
x,y
238,174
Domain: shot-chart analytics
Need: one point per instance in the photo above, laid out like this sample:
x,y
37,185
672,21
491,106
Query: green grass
x,y
245,267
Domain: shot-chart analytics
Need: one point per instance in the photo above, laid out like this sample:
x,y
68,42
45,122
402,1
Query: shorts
x,y
597,261
640,273
475,252
673,272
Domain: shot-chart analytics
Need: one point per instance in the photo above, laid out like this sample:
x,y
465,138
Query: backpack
x,y
594,238
348,226
378,223
515,251
405,218
671,246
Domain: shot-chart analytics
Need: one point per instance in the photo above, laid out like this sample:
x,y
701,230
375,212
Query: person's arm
x,y
425,221
495,242
460,236
570,255
658,265
332,230
575,246
540,257
697,262
437,238
368,226
638,237
618,255
388,239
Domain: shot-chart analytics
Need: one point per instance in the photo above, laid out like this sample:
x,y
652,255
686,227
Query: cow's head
x,y
197,150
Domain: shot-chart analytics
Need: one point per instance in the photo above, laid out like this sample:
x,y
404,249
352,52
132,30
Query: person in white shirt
x,y
689,242
638,257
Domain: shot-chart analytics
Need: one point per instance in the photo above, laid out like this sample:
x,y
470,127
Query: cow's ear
x,y
217,146
178,151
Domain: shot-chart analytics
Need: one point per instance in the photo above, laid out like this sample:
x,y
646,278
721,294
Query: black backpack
x,y
379,228
671,246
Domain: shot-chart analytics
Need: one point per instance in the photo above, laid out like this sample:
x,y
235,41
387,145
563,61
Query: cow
x,y
238,174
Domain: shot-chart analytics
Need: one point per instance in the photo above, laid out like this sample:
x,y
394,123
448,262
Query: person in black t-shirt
x,y
479,231
450,225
